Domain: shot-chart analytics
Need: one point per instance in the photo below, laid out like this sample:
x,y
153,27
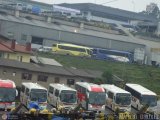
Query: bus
x,y
113,55
33,93
142,96
8,94
60,94
70,49
91,96
117,98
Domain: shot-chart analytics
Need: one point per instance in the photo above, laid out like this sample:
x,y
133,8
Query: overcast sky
x,y
131,5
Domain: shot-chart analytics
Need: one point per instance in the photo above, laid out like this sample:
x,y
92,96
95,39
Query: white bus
x,y
117,98
33,92
60,94
142,96
91,96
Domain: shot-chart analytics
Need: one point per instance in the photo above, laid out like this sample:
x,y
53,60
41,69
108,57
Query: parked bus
x,y
70,49
33,93
59,94
91,96
8,94
113,55
142,96
117,98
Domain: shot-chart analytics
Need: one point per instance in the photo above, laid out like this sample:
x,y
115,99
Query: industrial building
x,y
46,30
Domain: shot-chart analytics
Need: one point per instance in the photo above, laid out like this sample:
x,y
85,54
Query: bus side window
x,y
110,95
51,89
56,93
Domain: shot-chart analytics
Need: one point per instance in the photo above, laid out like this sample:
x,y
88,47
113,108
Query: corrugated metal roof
x,y
79,72
47,61
6,46
46,68
103,11
35,67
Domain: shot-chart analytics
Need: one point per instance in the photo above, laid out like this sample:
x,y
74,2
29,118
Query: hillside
x,y
147,76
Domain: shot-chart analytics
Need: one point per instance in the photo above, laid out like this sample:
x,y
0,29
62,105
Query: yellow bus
x,y
71,49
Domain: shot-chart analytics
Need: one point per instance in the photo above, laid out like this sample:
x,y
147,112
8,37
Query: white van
x,y
59,94
33,92
45,49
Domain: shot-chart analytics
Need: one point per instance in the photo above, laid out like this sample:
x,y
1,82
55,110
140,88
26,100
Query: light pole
x,y
59,36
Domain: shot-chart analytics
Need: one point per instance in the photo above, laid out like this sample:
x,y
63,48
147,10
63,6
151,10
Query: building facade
x,y
13,51
43,74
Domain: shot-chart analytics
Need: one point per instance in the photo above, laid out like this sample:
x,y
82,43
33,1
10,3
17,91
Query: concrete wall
x,y
52,35
18,76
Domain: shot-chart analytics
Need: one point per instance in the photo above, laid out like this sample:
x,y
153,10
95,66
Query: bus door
x,y
26,97
22,93
56,98
51,95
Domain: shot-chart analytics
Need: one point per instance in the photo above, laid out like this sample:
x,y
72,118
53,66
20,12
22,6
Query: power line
x,y
109,2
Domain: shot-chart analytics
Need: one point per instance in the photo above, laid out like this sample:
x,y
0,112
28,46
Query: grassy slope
x,y
147,76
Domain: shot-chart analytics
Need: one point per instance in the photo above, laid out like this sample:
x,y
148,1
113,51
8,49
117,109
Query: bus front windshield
x,y
150,100
98,98
40,96
123,98
7,94
68,96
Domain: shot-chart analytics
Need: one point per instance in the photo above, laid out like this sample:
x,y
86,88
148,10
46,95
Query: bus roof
x,y
140,89
91,86
7,83
72,45
31,85
61,86
114,88
118,51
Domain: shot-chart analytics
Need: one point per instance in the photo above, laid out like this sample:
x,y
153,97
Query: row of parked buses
x,y
91,96
95,53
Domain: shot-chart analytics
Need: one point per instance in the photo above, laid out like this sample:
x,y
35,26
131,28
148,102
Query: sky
x,y
130,5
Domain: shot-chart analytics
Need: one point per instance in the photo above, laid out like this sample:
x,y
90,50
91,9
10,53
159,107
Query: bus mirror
x,y
16,93
106,96
87,95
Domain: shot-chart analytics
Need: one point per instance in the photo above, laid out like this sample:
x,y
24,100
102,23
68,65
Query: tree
x,y
107,76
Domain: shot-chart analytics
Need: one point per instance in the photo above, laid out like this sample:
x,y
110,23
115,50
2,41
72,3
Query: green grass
x,y
147,76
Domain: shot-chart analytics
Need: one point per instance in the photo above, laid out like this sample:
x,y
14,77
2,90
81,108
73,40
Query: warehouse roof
x,y
51,69
105,11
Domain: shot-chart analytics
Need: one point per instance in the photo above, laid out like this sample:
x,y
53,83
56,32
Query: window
x,y
42,78
70,81
8,56
24,37
57,93
26,76
14,73
56,80
1,55
21,58
110,95
10,35
72,48
51,89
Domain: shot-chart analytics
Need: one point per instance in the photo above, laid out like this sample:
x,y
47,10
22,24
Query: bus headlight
x,y
90,106
103,106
